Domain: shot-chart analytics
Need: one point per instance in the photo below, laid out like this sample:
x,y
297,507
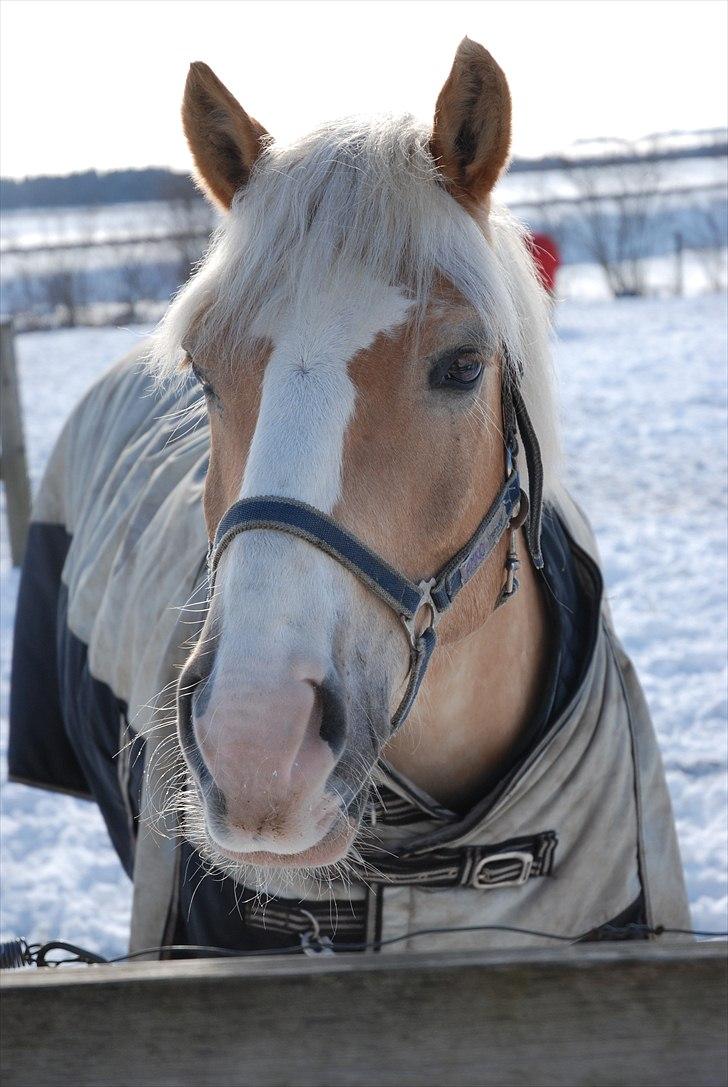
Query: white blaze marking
x,y
279,597
308,396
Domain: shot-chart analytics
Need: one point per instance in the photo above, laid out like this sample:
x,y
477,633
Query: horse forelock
x,y
362,197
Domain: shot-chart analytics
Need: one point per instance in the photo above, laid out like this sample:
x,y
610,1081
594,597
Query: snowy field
x,y
643,387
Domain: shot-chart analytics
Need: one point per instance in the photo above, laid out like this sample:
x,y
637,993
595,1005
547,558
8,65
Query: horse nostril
x,y
199,677
333,716
201,695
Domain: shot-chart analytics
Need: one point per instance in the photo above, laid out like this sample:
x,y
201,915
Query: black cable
x,y
20,953
631,929
461,928
219,951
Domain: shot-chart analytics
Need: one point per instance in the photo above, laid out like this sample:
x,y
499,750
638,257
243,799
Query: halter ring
x,y
426,601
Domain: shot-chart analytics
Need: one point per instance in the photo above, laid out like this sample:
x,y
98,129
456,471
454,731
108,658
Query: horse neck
x,y
478,697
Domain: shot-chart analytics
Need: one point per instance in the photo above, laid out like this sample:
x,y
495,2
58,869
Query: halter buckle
x,y
426,601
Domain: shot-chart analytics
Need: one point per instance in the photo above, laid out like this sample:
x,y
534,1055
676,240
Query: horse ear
x,y
471,136
223,139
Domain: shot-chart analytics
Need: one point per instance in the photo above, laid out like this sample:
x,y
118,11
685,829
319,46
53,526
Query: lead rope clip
x,y
312,942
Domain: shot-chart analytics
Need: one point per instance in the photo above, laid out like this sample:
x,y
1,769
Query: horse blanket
x,y
574,835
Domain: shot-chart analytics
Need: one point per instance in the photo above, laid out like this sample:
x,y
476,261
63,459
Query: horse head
x,y
350,329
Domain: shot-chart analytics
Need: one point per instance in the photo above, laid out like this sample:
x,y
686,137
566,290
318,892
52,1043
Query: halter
x,y
509,511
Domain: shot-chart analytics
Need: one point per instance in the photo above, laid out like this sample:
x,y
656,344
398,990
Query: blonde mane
x,y
365,194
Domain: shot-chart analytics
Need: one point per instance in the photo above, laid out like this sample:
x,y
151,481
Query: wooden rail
x,y
615,1015
13,464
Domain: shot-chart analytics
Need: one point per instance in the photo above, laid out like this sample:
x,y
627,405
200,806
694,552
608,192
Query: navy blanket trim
x,y
68,730
39,751
240,920
634,915
108,751
481,866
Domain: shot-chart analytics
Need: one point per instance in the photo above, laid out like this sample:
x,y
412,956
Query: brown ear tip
x,y
469,45
198,70
470,50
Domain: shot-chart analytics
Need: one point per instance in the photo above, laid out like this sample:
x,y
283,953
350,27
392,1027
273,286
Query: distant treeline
x,y
90,188
155,183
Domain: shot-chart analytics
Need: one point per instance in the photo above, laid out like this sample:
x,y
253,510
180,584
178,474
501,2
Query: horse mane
x,y
364,194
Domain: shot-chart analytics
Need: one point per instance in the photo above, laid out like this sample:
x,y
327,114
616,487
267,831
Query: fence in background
x,y
97,269
13,461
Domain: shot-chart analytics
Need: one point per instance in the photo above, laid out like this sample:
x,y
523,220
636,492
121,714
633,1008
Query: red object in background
x,y
547,258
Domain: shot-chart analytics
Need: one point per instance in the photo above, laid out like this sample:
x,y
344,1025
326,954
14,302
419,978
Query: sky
x,y
98,83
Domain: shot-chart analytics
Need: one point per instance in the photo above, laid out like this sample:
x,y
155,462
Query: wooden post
x,y
613,1015
13,465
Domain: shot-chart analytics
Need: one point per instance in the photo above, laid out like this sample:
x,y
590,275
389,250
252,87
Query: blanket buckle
x,y
496,870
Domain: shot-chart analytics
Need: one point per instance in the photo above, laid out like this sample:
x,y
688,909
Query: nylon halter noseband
x,y
509,510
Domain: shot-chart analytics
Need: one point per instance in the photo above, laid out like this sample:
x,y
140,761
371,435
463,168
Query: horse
x,y
403,706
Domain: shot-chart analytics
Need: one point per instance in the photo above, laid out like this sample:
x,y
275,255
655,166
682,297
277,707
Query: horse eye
x,y
202,380
462,372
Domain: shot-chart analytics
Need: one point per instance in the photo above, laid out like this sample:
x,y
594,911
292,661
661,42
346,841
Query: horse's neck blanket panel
x,y
583,816
563,788
126,481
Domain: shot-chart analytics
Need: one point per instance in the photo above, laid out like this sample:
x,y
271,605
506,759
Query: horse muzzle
x,y
262,749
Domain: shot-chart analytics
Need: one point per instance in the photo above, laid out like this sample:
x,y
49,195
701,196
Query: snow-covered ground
x,y
644,404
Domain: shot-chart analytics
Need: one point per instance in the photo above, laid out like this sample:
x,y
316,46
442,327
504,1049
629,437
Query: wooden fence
x,y
626,1014
13,464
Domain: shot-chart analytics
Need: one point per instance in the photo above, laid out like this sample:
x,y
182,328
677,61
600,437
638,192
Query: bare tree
x,y
62,289
710,238
61,283
190,222
21,296
614,206
137,281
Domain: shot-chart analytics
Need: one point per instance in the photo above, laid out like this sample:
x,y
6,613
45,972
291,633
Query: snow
x,y
644,394
643,385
